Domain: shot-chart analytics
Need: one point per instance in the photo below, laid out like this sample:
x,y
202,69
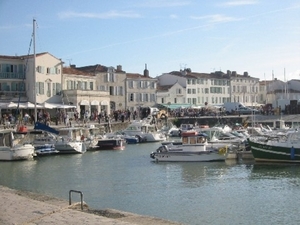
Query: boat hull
x,y
203,156
110,144
271,153
70,147
23,152
46,149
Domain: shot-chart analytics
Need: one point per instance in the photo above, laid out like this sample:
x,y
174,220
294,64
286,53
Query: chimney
x,y
119,68
146,72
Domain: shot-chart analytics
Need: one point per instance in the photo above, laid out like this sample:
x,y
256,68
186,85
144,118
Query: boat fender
x,y
222,150
292,153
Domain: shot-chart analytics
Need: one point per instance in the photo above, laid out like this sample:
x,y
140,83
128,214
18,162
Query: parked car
x,y
246,111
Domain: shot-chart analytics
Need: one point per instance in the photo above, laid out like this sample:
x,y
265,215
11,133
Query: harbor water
x,y
228,192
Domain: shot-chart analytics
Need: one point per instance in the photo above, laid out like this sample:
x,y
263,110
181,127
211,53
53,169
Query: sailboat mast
x,y
34,73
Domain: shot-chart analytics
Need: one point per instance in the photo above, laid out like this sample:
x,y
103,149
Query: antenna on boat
x,y
34,72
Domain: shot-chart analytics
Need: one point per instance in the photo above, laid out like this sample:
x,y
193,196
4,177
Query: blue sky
x,y
257,36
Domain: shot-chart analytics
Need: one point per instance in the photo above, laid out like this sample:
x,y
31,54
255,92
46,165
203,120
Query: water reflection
x,y
274,171
12,171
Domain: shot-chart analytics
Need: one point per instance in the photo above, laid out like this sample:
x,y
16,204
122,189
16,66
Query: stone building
x,y
80,90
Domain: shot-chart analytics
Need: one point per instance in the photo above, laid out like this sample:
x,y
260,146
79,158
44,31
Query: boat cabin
x,y
193,138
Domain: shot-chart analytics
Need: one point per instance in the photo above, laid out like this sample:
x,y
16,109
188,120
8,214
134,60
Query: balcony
x,y
9,75
90,93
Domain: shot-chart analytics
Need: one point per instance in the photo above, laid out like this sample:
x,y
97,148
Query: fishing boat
x,y
281,148
194,148
15,146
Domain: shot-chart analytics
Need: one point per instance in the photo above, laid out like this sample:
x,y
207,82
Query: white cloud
x,y
216,18
105,15
239,3
173,16
162,3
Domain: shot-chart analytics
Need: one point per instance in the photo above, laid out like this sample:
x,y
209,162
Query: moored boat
x,y
43,142
70,141
144,131
15,146
284,148
110,144
194,148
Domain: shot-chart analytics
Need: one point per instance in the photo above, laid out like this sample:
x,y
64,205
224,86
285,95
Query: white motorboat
x,y
194,148
146,132
43,142
70,140
15,146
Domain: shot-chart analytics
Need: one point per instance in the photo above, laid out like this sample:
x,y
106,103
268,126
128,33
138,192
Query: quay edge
x,y
23,207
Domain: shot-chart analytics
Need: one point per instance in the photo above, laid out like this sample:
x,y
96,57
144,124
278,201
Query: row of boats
x,y
45,140
201,143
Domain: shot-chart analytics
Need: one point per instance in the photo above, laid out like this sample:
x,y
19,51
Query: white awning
x,y
84,102
94,102
104,102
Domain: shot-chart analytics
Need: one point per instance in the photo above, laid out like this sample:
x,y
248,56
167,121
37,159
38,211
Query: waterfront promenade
x,y
26,208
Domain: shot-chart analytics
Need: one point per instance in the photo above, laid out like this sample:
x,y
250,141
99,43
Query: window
x,y
91,85
111,90
39,86
79,85
40,69
152,85
120,91
56,88
102,88
110,77
48,89
130,83
131,97
146,98
152,97
175,100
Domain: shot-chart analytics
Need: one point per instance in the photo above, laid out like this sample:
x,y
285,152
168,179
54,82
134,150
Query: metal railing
x,y
81,197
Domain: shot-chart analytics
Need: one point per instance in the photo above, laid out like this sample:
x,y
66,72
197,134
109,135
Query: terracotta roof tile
x,y
73,71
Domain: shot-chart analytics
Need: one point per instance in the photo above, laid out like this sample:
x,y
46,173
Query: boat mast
x,y
34,73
